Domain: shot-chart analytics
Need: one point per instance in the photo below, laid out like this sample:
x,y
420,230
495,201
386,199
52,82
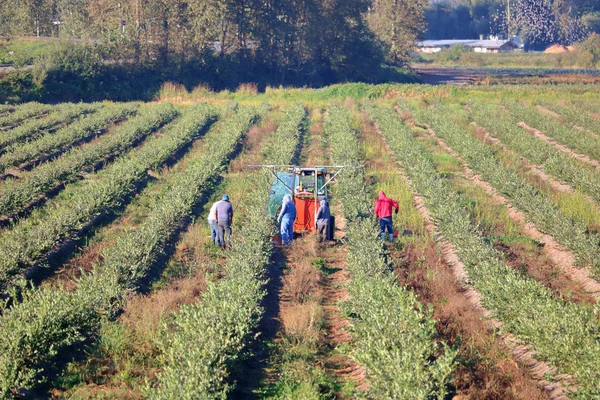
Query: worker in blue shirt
x,y
286,218
224,211
323,217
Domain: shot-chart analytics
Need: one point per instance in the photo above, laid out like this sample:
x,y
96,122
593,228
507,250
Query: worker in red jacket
x,y
383,210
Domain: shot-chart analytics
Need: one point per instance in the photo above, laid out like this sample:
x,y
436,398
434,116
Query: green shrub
x,y
452,54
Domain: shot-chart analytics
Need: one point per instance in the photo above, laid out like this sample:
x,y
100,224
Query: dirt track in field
x,y
308,285
342,368
461,76
454,76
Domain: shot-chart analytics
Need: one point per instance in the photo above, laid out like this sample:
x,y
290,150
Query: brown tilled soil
x,y
486,367
576,284
338,365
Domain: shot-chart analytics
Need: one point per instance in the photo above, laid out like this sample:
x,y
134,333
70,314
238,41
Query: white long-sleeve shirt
x,y
212,214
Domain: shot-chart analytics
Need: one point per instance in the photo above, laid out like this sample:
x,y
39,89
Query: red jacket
x,y
383,208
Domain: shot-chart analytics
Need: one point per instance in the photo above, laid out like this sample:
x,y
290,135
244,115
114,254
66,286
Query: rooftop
x,y
490,44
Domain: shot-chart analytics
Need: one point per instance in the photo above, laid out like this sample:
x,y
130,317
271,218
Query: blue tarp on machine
x,y
278,191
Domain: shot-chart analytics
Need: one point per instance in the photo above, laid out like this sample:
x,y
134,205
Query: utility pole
x,y
508,19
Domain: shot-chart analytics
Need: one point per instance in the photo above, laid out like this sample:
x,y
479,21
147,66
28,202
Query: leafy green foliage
x,y
537,205
562,333
291,126
554,162
578,141
201,342
16,194
73,316
30,240
24,112
393,336
65,137
59,116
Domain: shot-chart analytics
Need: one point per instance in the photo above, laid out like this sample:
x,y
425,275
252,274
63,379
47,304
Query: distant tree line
x,y
538,22
313,42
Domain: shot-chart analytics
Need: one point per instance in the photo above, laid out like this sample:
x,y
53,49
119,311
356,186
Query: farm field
x,y
111,288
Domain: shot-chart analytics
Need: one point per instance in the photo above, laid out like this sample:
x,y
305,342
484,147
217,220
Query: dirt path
x,y
463,321
560,256
337,364
462,76
558,146
309,325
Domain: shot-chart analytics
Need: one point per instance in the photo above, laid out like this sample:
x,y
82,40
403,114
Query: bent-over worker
x,y
224,211
286,218
323,217
212,221
383,210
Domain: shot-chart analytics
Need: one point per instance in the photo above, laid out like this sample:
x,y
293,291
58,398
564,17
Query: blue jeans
x,y
386,224
287,230
214,233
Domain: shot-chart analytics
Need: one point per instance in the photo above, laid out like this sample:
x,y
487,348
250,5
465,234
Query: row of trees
x,y
335,39
538,22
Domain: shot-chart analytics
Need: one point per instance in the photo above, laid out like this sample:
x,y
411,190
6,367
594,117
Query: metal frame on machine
x,y
274,168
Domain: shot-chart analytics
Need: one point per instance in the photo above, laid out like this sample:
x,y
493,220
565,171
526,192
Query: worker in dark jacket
x,y
383,211
287,216
323,217
224,211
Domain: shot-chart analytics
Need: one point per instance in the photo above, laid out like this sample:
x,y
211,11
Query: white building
x,y
493,45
